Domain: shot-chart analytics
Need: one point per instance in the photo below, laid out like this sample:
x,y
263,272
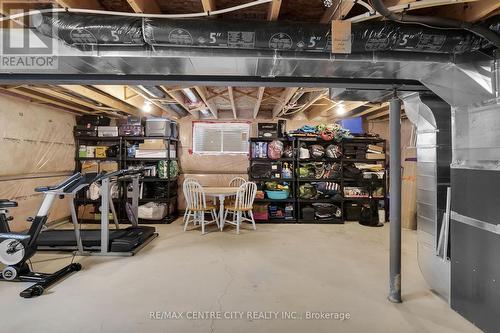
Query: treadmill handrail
x,y
123,172
86,180
76,177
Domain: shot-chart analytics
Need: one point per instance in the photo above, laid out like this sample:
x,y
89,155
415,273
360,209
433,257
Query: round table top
x,y
214,190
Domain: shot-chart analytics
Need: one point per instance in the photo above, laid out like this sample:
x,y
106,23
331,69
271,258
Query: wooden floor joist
x,y
33,95
103,98
286,96
230,92
258,102
202,91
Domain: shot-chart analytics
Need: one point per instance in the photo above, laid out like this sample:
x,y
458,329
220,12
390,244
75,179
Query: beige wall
x,y
36,142
215,170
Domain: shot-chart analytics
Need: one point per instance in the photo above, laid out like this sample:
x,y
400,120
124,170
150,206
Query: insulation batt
x,y
85,30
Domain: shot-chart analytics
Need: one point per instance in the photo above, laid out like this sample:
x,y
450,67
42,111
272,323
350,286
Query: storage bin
x,y
152,211
277,195
308,213
352,211
260,211
158,127
107,131
130,130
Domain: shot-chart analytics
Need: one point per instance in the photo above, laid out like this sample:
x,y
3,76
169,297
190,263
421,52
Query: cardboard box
x,y
108,166
90,166
82,151
379,149
151,153
100,152
157,144
373,156
90,151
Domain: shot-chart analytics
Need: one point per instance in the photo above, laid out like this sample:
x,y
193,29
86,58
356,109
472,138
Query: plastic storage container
x,y
158,127
277,195
152,211
261,211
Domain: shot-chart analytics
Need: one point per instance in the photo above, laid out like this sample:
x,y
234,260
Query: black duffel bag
x,y
260,170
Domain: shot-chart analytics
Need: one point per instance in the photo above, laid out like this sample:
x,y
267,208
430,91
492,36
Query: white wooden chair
x,y
237,182
186,180
196,205
243,204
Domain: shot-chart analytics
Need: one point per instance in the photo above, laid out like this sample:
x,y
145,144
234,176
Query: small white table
x,y
221,193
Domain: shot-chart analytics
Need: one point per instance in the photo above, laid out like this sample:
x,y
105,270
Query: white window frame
x,y
226,124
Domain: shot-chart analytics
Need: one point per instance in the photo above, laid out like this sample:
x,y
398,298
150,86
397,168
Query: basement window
x,y
217,138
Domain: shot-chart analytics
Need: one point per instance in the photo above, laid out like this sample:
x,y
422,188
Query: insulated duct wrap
x,y
89,30
84,30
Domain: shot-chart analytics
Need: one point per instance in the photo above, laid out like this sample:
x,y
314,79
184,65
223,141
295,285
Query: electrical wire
x,y
142,15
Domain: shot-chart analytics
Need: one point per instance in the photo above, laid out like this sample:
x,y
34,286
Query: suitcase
x,y
89,120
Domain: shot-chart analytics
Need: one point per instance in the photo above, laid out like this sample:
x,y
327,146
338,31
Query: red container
x,y
261,216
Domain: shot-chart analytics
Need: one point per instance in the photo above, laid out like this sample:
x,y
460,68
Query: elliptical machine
x,y
17,248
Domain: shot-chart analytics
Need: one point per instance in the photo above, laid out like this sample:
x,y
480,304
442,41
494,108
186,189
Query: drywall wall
x,y
37,149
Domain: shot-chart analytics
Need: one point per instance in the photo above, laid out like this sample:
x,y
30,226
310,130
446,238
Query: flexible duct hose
x,y
486,33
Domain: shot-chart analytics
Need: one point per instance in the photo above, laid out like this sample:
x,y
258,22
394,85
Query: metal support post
x,y
395,200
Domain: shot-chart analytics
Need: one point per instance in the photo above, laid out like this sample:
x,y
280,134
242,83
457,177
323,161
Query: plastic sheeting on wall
x,y
35,140
29,201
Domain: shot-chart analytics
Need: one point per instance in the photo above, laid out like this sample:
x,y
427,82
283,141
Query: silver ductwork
x,y
475,213
432,117
153,91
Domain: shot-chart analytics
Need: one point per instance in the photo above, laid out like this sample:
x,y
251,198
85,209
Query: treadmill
x,y
103,241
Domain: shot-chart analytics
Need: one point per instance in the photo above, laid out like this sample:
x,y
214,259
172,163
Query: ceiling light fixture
x,y
328,3
341,109
147,107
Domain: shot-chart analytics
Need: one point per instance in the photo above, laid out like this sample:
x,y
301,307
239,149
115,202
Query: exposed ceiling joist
x,y
142,98
202,91
378,115
312,98
318,111
258,102
286,96
208,5
337,11
469,12
145,6
244,94
371,110
82,4
33,95
177,96
231,98
60,95
274,10
409,6
103,98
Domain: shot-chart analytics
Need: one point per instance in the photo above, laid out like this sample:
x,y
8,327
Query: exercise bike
x,y
17,248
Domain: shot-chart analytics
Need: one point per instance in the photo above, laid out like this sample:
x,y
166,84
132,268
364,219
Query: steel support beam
x,y
395,201
208,80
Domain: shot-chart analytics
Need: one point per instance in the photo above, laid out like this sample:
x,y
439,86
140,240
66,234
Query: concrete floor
x,y
280,268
